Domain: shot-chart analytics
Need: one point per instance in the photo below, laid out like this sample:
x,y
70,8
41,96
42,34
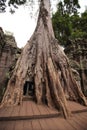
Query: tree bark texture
x,y
44,62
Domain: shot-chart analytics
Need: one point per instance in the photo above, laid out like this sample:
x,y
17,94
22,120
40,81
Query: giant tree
x,y
44,63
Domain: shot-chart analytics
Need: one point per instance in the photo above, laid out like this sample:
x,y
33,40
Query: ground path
x,y
30,116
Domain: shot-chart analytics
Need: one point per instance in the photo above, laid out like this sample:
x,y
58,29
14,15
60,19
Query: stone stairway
x,y
29,110
28,98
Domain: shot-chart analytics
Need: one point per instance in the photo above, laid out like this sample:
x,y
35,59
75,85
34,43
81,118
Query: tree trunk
x,y
44,62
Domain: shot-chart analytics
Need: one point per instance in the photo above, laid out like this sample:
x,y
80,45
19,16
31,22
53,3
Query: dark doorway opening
x,y
28,88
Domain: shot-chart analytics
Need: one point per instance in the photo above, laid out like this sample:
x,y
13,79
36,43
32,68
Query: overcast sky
x,y
21,23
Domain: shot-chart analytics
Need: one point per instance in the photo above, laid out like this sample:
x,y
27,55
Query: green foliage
x,y
2,5
68,6
83,22
67,23
14,3
79,26
18,2
8,75
71,6
62,27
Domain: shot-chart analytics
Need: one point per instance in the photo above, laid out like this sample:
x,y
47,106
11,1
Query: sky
x,y
22,24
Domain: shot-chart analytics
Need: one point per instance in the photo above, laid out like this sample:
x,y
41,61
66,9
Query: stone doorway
x,y
28,89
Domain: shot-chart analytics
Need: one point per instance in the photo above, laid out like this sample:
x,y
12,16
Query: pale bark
x,y
44,62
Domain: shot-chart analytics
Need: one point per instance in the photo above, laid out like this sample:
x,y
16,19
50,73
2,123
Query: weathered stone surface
x,y
77,52
8,58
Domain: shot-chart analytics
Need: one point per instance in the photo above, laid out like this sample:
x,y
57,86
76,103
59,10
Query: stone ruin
x,y
76,51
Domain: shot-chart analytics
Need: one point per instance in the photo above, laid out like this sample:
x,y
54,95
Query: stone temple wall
x,y
8,58
76,51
